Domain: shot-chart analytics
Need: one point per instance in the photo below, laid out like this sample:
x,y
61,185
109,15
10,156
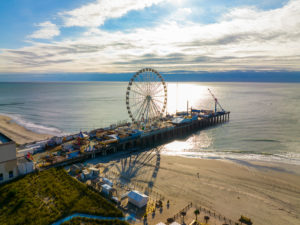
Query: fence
x,y
185,209
218,216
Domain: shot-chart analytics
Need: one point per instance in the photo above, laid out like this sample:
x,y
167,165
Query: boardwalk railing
x,y
218,216
185,209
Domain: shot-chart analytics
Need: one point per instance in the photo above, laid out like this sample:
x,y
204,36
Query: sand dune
x,y
18,133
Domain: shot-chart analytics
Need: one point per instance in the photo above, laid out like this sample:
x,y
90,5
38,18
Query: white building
x,y
25,166
8,159
10,165
138,199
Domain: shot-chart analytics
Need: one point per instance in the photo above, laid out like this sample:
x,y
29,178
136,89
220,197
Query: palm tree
x,y
183,214
245,220
196,212
170,220
206,218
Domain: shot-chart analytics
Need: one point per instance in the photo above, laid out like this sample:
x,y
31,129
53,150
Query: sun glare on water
x,y
194,145
178,95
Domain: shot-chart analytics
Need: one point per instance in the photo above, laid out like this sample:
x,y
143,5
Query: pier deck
x,y
151,138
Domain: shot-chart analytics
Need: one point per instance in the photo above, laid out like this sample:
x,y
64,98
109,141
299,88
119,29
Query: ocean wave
x,y
12,103
288,158
261,140
37,128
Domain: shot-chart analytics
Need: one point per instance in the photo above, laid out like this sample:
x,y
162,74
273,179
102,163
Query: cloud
x,y
242,39
181,14
94,14
47,30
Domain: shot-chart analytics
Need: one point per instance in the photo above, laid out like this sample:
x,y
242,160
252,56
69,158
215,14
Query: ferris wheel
x,y
146,97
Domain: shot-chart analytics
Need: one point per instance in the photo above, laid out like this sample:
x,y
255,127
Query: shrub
x,y
44,197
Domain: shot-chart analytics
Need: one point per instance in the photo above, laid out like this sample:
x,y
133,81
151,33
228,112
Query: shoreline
x,y
247,157
259,164
19,133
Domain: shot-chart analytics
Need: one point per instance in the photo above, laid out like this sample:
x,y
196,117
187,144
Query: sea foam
x,y
288,158
37,128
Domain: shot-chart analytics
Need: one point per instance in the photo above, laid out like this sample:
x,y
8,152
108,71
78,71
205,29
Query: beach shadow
x,y
146,163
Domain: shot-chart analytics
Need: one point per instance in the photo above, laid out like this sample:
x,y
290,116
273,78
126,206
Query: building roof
x,y
137,196
179,120
22,160
4,139
106,187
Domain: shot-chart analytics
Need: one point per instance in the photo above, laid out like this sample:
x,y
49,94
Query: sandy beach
x,y
18,133
267,193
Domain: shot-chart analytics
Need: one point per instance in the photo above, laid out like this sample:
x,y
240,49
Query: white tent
x,y
174,223
137,198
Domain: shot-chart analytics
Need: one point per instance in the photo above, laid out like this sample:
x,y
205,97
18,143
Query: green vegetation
x,y
197,212
183,214
245,220
44,197
86,221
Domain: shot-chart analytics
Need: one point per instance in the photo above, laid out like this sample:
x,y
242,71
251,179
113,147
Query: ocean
x,y
264,120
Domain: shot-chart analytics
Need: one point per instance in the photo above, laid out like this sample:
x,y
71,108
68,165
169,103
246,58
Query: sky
x,y
121,36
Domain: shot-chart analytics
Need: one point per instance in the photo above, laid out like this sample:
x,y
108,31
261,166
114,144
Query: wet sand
x,y
18,133
267,193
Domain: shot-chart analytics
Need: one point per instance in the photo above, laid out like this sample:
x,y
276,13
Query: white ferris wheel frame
x,y
146,96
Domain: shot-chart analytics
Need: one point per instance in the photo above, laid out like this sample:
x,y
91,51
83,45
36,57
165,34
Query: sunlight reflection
x,y
199,98
196,143
179,94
